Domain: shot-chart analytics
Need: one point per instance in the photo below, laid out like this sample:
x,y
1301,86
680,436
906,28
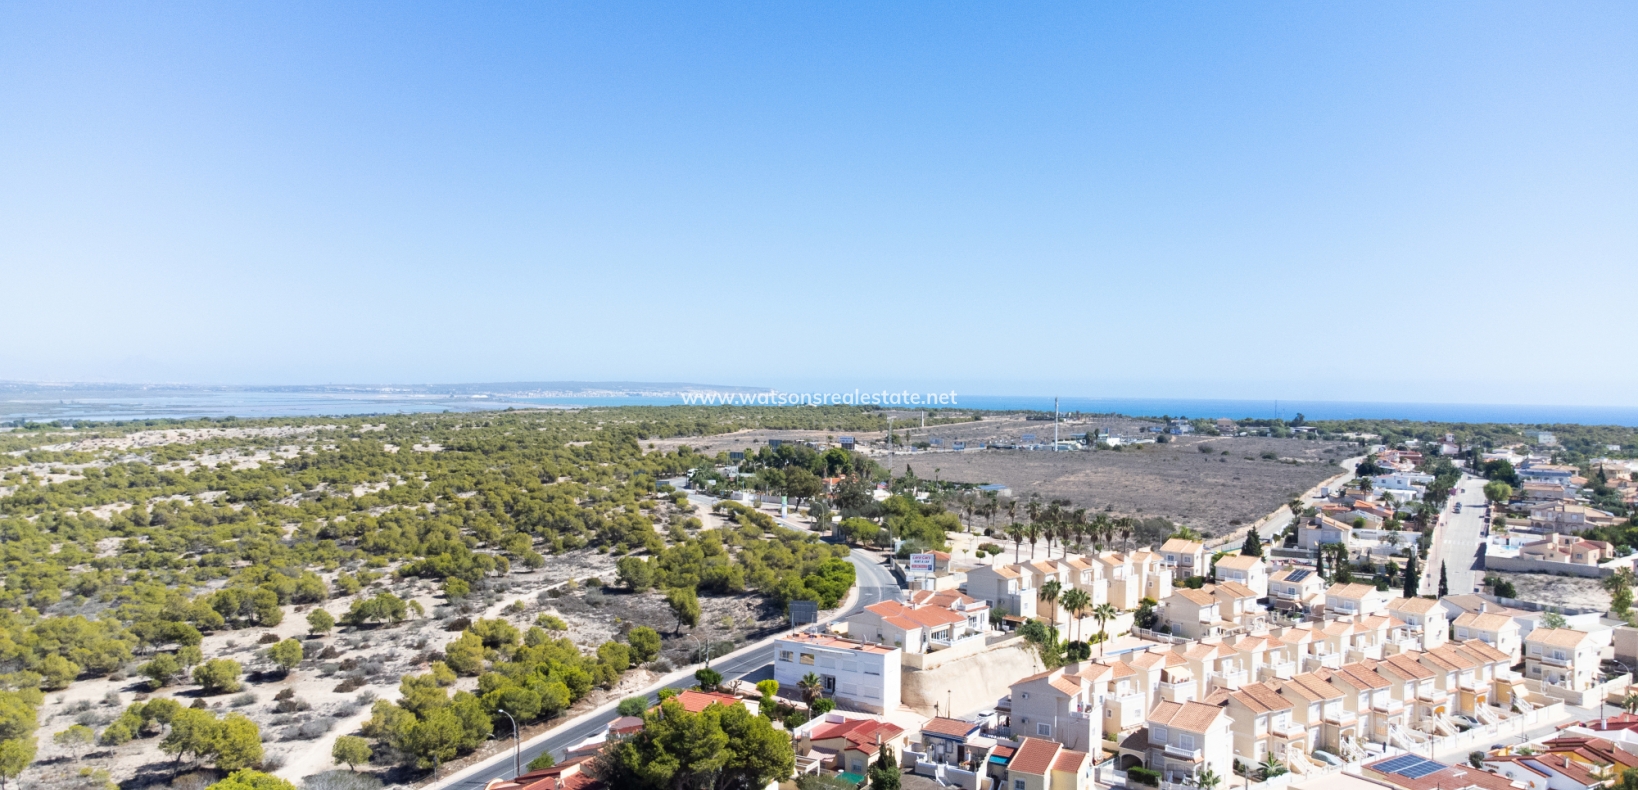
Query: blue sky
x,y
1365,201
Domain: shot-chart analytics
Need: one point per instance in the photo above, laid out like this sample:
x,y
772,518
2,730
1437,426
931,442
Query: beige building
x,y
1317,706
1249,571
1370,696
1046,765
1500,631
1413,685
1567,548
1058,705
1261,721
921,628
1185,558
1003,587
1427,625
1356,600
1185,738
1561,657
1567,516
1296,589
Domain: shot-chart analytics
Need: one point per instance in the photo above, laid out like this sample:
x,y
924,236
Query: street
x,y
875,584
1456,540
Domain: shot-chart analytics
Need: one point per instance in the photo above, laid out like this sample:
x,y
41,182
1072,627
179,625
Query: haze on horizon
x,y
1392,202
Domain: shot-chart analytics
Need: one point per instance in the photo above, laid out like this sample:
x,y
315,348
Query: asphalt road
x,y
876,584
1456,541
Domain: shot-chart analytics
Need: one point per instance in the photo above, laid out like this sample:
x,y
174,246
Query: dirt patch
x,y
1552,590
596,616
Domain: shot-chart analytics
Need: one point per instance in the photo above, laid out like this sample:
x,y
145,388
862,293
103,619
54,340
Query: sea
x,y
115,403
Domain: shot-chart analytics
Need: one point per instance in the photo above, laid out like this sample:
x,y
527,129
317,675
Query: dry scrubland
x,y
372,473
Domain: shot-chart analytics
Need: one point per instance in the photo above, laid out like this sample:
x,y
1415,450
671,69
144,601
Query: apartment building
x,y
1046,765
1004,588
1562,657
1427,625
856,673
1184,558
1058,705
1500,631
1262,724
1186,738
1244,569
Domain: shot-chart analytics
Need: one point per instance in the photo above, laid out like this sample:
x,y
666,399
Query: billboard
x,y
803,612
921,563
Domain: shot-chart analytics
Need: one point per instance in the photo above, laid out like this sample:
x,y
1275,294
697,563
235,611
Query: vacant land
x,y
1560,590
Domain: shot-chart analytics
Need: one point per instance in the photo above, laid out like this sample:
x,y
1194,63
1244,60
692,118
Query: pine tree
x,y
1444,580
1253,546
884,773
1413,578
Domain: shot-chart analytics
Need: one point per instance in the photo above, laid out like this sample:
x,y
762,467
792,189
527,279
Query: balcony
x,y
1342,717
1472,684
1325,660
1555,662
1178,688
1232,679
1431,694
937,643
1192,755
1279,669
1388,705
1287,730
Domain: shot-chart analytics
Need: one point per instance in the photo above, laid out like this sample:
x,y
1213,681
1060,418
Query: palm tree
x,y
1207,779
1049,593
811,687
1076,601
1033,532
1103,614
1016,532
1272,768
1629,703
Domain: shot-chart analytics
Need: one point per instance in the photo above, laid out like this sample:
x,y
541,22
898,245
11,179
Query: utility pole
x,y
1054,425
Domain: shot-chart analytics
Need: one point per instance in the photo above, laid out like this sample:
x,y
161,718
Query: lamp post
x,y
517,746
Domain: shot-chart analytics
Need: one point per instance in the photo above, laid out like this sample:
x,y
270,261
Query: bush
x,y
645,644
341,780
1143,776
218,675
633,706
243,699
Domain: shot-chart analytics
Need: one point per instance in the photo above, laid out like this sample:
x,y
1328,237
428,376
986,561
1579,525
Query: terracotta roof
x,y
1237,589
1557,637
1484,652
1405,666
1449,778
1144,658
1416,605
1034,756
1239,562
696,701
1350,590
1484,622
1197,597
1311,687
1003,571
954,728
1448,658
1360,676
1182,546
1191,716
1070,761
1260,697
1120,670
945,598
1281,576
862,735
921,616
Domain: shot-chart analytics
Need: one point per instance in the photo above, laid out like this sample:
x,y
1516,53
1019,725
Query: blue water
x,y
45,405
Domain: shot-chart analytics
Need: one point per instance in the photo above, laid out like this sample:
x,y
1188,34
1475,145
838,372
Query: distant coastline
x,y
50,402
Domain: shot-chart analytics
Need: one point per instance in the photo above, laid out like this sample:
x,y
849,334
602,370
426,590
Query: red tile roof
x,y
696,701
1035,757
861,735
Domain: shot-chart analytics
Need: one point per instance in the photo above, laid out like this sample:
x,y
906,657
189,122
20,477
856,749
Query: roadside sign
x,y
803,613
736,455
959,446
921,563
1029,437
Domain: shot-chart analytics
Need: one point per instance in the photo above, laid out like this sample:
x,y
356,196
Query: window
x,y
1017,784
786,655
1043,729
1025,695
1108,713
1186,741
807,658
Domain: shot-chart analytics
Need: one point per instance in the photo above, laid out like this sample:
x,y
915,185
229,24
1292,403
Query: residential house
x,y
1456,673
1154,579
1186,738
1046,765
1573,762
951,741
1357,600
1057,705
1565,548
1546,493
1244,569
1317,706
1239,606
1125,585
913,629
1086,574
1216,665
1296,589
1413,685
1426,624
1160,674
570,774
852,672
1370,696
1004,588
1411,772
1562,657
1196,614
1500,631
1567,516
1261,721
1319,530
977,612
850,744
1532,472
1185,558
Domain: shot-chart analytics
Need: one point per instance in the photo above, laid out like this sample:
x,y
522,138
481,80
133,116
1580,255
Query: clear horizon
x,y
1389,203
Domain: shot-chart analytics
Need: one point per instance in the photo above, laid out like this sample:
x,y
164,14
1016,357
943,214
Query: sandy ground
x,y
1560,590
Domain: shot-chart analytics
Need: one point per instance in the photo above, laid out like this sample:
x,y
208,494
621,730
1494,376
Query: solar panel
x,y
1298,575
1421,769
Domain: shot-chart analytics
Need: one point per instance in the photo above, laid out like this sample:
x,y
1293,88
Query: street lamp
x,y
517,747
